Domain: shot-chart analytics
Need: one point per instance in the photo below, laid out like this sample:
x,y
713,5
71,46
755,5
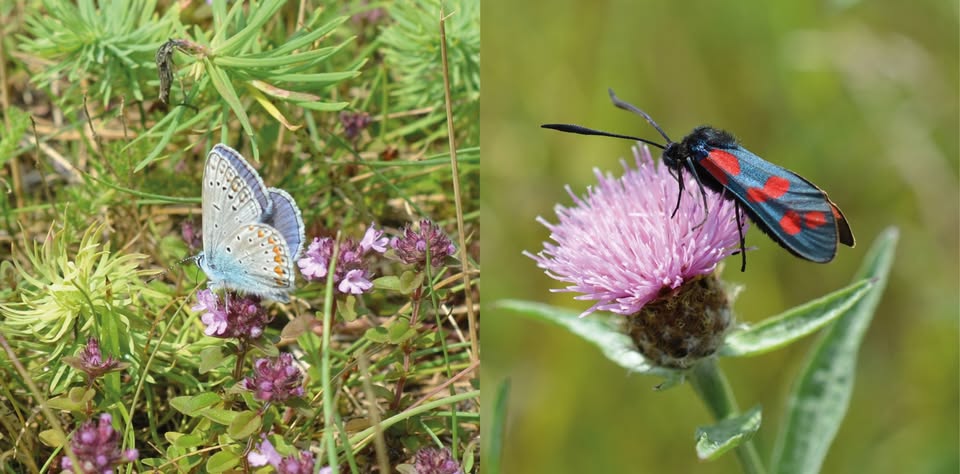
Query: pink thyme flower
x,y
265,453
91,361
351,273
97,446
620,247
412,245
275,380
244,317
435,461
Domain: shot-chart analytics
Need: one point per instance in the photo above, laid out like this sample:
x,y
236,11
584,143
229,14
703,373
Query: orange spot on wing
x,y
260,234
790,223
279,270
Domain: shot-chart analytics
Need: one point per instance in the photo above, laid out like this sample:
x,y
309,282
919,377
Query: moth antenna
x,y
632,108
569,128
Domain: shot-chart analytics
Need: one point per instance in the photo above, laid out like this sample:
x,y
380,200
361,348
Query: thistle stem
x,y
711,386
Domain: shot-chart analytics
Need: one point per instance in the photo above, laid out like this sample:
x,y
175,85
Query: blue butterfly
x,y
252,234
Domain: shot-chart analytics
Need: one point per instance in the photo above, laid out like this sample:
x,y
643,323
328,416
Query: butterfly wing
x,y
793,211
255,259
286,218
246,172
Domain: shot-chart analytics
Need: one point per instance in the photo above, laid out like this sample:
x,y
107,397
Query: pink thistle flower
x,y
619,246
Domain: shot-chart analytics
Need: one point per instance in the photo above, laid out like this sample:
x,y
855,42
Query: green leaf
x,y
220,416
390,282
615,345
222,461
797,322
819,399
244,424
186,441
400,331
192,405
222,84
76,400
378,334
211,358
52,438
716,439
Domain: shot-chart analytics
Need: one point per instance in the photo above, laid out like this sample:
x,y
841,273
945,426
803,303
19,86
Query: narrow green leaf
x,y
497,431
260,15
716,439
222,83
612,343
797,322
819,399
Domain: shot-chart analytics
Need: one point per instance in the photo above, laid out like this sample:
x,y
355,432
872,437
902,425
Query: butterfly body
x,y
794,212
252,235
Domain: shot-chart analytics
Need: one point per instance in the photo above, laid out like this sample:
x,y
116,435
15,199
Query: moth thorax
x,y
684,325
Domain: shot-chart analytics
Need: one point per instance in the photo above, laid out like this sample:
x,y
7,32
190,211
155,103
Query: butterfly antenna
x,y
568,128
632,108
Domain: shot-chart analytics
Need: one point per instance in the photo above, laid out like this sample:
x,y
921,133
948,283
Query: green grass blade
x,y
820,398
493,452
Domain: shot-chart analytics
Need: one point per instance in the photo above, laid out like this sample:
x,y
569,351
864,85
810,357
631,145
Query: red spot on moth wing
x,y
772,189
815,219
790,222
721,165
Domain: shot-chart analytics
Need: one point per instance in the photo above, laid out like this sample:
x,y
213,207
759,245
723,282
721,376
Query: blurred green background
x,y
859,97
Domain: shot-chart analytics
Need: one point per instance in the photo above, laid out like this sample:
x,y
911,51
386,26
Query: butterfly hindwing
x,y
286,218
256,260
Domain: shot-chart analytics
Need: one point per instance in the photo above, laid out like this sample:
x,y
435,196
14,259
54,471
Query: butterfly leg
x,y
743,251
703,193
679,177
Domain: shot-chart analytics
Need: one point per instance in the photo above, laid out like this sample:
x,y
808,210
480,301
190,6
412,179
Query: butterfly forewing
x,y
246,172
795,212
228,201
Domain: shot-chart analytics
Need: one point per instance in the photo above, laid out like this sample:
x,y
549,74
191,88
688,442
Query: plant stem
x,y
711,386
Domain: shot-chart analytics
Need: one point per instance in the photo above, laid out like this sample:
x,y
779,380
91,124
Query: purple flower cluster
x,y
300,463
412,245
351,274
621,247
275,380
435,461
91,361
97,447
353,123
241,317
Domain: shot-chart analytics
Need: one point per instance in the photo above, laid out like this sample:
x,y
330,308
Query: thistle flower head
x,y
240,317
619,246
275,380
97,447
